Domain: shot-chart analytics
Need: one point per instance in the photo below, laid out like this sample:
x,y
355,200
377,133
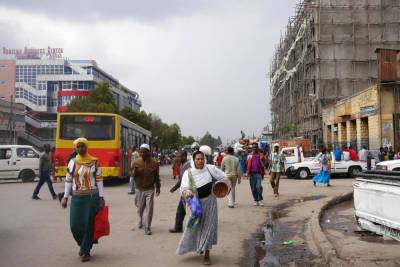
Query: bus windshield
x,y
89,126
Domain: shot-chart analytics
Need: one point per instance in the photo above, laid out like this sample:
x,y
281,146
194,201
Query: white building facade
x,y
46,86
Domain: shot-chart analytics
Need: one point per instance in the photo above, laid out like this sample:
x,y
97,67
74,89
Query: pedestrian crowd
x,y
198,182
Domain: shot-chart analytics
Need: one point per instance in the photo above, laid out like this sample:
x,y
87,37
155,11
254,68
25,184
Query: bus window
x,y
88,126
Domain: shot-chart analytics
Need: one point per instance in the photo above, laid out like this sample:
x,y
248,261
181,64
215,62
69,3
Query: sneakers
x,y
255,203
231,206
261,203
36,198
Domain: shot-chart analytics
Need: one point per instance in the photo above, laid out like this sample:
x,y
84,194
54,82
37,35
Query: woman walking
x,y
198,181
86,183
176,164
323,176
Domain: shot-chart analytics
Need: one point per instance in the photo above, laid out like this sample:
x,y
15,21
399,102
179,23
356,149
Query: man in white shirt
x,y
362,154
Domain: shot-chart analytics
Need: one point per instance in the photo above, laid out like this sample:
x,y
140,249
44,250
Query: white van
x,y
19,162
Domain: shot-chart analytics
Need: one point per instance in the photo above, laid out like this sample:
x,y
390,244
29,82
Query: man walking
x,y
145,171
134,156
230,165
276,161
180,210
44,173
255,169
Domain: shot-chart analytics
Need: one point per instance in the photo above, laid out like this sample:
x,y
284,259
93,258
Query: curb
x,y
325,247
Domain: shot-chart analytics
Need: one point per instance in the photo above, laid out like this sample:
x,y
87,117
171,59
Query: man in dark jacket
x,y
146,172
180,211
44,173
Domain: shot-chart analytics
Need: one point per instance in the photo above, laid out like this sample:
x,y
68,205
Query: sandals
x,y
85,258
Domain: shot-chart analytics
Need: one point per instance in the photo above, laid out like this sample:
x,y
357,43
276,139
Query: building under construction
x,y
326,54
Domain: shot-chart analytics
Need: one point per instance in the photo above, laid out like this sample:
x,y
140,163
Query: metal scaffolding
x,y
326,54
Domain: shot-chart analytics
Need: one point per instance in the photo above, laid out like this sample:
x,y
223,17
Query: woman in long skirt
x,y
203,234
324,174
85,181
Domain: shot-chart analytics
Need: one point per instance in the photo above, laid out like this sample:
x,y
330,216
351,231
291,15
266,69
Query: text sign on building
x,y
34,53
367,111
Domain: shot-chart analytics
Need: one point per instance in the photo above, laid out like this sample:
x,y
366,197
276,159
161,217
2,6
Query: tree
x,y
187,140
99,100
287,129
209,140
140,118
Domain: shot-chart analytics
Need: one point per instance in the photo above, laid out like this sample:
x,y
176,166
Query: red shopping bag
x,y
101,224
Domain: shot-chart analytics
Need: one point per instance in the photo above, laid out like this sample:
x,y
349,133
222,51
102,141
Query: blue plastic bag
x,y
195,206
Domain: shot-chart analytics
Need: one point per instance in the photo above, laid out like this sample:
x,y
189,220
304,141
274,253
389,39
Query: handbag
x,y
101,224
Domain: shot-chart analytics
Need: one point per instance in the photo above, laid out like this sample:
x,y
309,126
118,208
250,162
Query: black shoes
x,y
174,230
36,198
147,231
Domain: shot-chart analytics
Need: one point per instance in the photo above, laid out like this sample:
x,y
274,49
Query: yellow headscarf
x,y
85,159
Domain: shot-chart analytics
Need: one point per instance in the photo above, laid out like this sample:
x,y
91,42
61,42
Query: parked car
x,y
307,168
390,165
19,162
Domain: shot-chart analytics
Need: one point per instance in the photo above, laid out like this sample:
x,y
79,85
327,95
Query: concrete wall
x,y
7,79
362,120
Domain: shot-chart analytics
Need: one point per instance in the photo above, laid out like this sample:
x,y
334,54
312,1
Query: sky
x,y
202,64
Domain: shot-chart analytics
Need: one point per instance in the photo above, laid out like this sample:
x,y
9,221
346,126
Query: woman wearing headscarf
x,y
85,182
324,174
198,180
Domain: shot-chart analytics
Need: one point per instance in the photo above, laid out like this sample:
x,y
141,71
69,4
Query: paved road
x,y
36,233
351,244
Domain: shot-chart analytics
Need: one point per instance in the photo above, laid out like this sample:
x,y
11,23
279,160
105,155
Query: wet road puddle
x,y
273,245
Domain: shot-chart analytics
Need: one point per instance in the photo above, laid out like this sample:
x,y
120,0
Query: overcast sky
x,y
201,64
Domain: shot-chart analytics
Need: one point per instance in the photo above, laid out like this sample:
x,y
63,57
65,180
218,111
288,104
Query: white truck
x,y
376,202
390,165
308,168
293,155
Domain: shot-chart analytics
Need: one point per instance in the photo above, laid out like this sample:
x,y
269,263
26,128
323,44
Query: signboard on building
x,y
367,111
33,53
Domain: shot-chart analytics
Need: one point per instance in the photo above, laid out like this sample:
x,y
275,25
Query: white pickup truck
x,y
293,155
305,169
390,165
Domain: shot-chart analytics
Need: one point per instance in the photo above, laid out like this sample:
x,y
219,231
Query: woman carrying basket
x,y
201,233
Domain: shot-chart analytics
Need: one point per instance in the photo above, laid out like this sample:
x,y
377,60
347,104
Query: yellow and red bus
x,y
110,137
